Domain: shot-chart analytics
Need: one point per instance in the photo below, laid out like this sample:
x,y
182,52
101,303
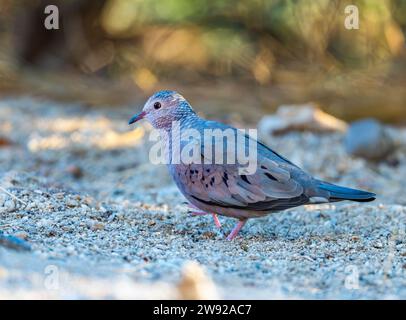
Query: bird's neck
x,y
177,129
189,121
184,122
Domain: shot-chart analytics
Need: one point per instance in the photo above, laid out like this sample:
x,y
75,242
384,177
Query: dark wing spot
x,y
244,177
225,179
212,180
263,167
270,176
207,185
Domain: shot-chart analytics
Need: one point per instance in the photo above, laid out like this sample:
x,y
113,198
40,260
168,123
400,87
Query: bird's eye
x,y
157,105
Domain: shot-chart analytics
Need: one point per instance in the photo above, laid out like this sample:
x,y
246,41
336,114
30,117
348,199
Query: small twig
x,y
13,196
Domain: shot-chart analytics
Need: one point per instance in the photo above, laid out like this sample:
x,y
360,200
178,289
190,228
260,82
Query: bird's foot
x,y
202,213
236,229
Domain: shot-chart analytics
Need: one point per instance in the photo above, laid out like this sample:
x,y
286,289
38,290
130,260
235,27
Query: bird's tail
x,y
338,193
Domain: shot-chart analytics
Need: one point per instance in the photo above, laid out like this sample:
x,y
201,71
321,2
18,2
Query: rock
x,y
97,226
8,206
377,245
195,284
21,235
369,139
72,203
75,171
4,142
14,243
59,195
306,117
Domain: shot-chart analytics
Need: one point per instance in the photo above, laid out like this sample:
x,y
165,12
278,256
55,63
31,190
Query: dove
x,y
222,188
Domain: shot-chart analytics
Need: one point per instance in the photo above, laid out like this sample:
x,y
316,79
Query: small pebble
x,y
95,225
21,235
72,203
75,171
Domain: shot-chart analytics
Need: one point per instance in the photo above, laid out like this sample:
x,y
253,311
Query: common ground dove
x,y
215,181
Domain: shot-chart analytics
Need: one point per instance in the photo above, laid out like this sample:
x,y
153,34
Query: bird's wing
x,y
261,148
270,188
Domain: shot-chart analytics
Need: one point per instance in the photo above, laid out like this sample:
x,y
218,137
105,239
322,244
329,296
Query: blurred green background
x,y
228,57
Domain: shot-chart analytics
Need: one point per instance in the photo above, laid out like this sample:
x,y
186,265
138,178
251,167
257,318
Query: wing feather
x,y
271,187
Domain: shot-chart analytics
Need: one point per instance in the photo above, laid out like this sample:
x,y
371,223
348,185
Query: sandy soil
x,y
102,222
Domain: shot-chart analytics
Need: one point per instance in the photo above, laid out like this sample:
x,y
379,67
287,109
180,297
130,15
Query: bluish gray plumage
x,y
276,185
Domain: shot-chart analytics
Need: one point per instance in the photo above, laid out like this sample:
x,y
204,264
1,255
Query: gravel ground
x,y
101,222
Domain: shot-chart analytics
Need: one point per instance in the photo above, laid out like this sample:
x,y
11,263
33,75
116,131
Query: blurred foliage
x,y
300,49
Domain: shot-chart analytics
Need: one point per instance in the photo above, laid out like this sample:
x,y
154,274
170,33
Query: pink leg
x,y
216,220
198,213
236,229
202,213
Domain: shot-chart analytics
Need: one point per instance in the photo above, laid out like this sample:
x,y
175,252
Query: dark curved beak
x,y
137,117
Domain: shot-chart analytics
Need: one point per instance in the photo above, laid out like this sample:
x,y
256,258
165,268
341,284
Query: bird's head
x,y
162,108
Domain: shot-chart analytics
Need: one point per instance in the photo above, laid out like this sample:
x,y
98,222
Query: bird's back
x,y
276,184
